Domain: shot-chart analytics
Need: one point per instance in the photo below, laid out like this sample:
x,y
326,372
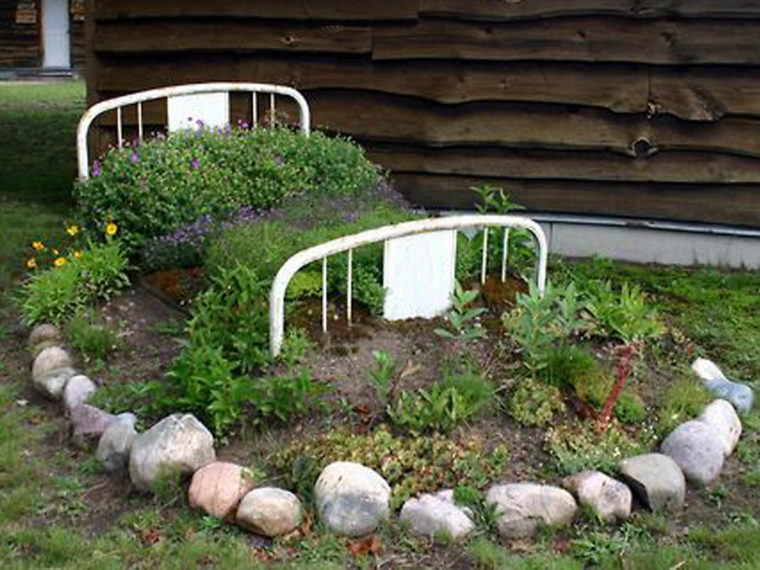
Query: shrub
x,y
155,187
53,294
91,336
630,408
624,315
535,403
411,466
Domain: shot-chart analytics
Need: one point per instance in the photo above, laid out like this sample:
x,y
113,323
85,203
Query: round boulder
x,y
721,417
608,498
218,487
698,451
116,442
270,512
88,423
521,507
351,499
51,371
45,334
435,516
178,444
77,390
656,479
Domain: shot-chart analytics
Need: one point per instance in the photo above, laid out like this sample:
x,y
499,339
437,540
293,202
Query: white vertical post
x,y
119,134
139,122
349,285
484,263
255,115
324,294
271,109
504,254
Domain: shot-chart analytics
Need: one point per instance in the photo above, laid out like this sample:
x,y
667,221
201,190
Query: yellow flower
x,y
73,230
111,229
60,261
31,263
38,245
78,253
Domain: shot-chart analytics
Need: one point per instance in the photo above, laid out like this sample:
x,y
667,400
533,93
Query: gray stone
x,y
721,417
522,507
49,360
46,334
116,442
656,479
740,395
351,499
608,498
270,512
88,423
178,444
697,450
218,487
77,390
52,384
435,516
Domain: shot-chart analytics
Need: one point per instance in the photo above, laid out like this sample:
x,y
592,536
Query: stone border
x,y
351,499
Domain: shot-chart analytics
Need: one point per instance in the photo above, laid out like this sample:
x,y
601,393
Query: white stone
x,y
217,488
740,395
697,450
434,516
521,507
608,498
52,384
721,417
178,444
49,360
116,442
351,499
88,423
270,512
656,479
78,389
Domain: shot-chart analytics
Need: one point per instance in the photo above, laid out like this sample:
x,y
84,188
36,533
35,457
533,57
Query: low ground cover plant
x,y
154,188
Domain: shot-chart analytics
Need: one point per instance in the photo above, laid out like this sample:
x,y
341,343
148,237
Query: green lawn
x,y
58,511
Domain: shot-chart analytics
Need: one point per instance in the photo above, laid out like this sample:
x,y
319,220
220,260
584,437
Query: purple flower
x,y
134,158
97,169
194,164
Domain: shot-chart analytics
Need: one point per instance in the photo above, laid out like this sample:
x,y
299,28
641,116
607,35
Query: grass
x,y
51,513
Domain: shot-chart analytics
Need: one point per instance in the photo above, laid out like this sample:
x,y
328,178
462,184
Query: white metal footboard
x,y
349,243
176,92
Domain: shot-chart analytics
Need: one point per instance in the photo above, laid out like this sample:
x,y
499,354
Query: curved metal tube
x,y
138,98
322,251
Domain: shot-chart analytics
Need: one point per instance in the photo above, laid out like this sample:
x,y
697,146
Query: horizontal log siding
x,y
643,108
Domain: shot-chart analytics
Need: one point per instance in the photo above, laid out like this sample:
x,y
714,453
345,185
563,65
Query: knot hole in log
x,y
642,147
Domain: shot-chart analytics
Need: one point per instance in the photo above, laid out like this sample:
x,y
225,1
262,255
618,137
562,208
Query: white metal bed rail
x,y
176,91
383,234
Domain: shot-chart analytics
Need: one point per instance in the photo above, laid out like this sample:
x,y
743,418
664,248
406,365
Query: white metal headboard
x,y
179,91
383,234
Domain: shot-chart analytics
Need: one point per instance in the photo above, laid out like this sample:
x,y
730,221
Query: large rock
x,y
740,395
608,498
42,337
88,423
697,450
116,443
218,487
721,417
77,390
522,507
51,371
351,499
436,516
270,512
178,444
656,479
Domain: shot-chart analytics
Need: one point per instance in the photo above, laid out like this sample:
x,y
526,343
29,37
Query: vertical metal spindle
x,y
349,285
484,264
119,134
139,122
324,294
271,109
504,252
255,114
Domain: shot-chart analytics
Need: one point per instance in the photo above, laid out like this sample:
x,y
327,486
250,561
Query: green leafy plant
x,y
154,188
91,336
535,403
57,293
295,347
384,375
462,320
624,315
411,466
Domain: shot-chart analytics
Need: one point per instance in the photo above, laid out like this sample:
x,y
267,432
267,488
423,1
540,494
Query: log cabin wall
x,y
638,108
